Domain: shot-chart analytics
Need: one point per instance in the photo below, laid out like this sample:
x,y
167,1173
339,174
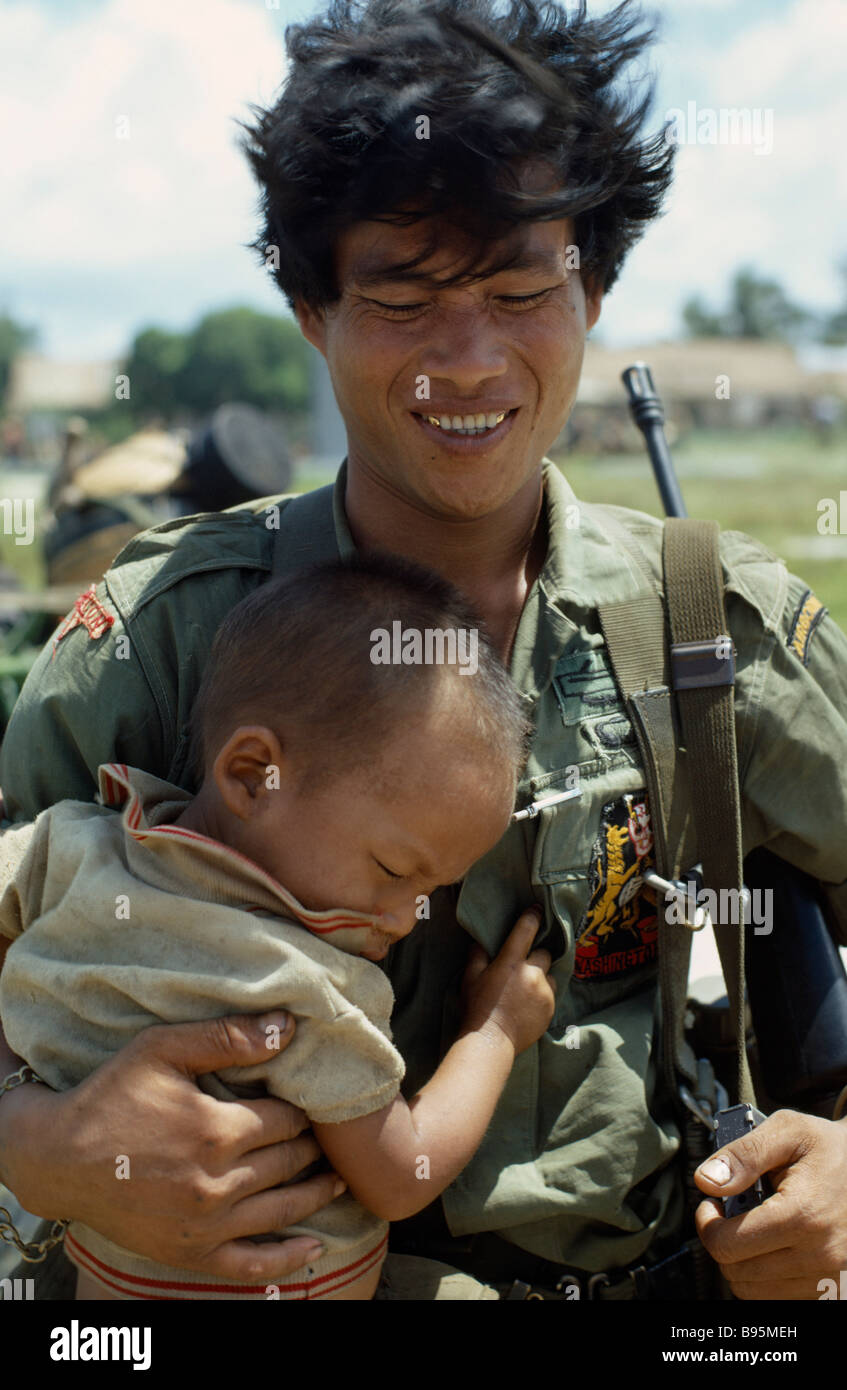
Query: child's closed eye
x,y
386,870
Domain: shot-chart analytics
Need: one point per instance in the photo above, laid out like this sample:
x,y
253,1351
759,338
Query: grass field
x,y
766,483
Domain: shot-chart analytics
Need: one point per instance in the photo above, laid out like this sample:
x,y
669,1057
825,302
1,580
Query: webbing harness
x,y
692,683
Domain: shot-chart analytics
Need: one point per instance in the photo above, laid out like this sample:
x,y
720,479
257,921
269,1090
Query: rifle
x,y
796,982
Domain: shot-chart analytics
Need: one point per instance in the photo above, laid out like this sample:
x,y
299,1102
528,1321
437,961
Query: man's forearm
x,y
9,1062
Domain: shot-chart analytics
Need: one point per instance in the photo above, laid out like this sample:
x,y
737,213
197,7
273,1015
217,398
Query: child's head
x,y
356,780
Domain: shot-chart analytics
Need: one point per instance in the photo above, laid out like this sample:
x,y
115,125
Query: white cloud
x,y
802,49
731,206
178,73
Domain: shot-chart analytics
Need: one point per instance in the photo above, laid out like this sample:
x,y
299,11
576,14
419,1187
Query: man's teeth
x,y
466,424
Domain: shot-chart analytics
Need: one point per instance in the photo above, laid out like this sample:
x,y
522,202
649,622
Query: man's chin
x,y
437,485
470,492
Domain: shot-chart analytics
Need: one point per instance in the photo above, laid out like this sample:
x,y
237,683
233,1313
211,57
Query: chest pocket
x,y
590,854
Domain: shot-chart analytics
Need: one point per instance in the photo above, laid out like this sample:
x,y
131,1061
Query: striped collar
x,y
151,804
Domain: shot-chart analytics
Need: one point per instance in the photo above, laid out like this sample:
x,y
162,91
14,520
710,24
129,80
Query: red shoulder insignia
x,y
87,612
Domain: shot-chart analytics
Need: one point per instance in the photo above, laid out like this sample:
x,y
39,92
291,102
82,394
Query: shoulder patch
x,y
87,612
809,613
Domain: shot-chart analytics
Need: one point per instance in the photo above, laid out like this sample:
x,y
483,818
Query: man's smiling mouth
x,y
479,423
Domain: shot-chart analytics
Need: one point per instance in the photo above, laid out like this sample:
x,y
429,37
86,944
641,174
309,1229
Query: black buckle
x,y
671,1278
698,664
519,1290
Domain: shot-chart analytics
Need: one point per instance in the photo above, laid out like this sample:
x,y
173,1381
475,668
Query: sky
x,y
101,236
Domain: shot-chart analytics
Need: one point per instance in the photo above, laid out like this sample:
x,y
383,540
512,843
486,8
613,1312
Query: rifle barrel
x,y
649,415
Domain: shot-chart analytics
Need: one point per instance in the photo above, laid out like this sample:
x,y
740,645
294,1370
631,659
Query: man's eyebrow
x,y
373,271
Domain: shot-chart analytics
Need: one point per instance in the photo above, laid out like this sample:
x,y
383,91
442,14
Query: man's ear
x,y
593,300
312,325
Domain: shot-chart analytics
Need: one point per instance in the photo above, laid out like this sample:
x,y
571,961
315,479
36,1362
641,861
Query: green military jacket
x,y
578,1164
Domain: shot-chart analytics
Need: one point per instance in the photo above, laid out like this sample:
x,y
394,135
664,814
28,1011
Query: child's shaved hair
x,y
296,655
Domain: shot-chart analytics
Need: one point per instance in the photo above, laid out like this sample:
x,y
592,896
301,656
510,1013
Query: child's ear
x,y
248,768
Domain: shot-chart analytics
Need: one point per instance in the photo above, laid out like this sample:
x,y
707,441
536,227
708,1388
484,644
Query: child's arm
x,y
398,1159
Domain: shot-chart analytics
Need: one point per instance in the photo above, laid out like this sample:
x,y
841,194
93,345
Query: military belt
x,y
674,1277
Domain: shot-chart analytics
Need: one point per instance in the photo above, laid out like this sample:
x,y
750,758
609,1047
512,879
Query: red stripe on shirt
x,y
140,1283
320,923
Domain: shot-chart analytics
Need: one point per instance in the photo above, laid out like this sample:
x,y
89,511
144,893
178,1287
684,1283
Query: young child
x,y
337,791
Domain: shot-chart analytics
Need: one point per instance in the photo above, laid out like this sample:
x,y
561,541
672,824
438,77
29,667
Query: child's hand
x,y
512,992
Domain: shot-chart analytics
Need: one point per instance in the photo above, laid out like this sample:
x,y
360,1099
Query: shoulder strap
x,y
675,775
635,633
703,675
306,532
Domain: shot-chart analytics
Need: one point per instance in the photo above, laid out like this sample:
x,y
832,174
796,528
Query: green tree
x,y
14,338
240,354
757,308
699,321
760,308
231,354
834,326
154,366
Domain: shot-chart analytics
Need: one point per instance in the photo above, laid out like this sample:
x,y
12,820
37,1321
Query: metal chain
x,y
35,1251
32,1251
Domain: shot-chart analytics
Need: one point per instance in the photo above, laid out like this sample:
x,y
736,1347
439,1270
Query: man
x,y
447,196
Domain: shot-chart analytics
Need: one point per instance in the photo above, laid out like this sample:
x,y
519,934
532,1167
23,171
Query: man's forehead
x,y
374,253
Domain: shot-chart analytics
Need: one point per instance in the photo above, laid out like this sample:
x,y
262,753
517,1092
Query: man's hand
x,y
798,1236
204,1173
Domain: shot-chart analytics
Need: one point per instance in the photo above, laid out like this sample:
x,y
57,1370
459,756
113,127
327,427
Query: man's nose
x,y
466,349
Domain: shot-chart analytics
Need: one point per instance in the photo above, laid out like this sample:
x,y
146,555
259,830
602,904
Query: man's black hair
x,y
295,656
498,87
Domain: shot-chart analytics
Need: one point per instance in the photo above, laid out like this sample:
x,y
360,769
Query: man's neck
x,y
493,560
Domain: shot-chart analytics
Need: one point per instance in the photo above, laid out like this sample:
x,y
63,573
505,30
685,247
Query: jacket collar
x,y
584,567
